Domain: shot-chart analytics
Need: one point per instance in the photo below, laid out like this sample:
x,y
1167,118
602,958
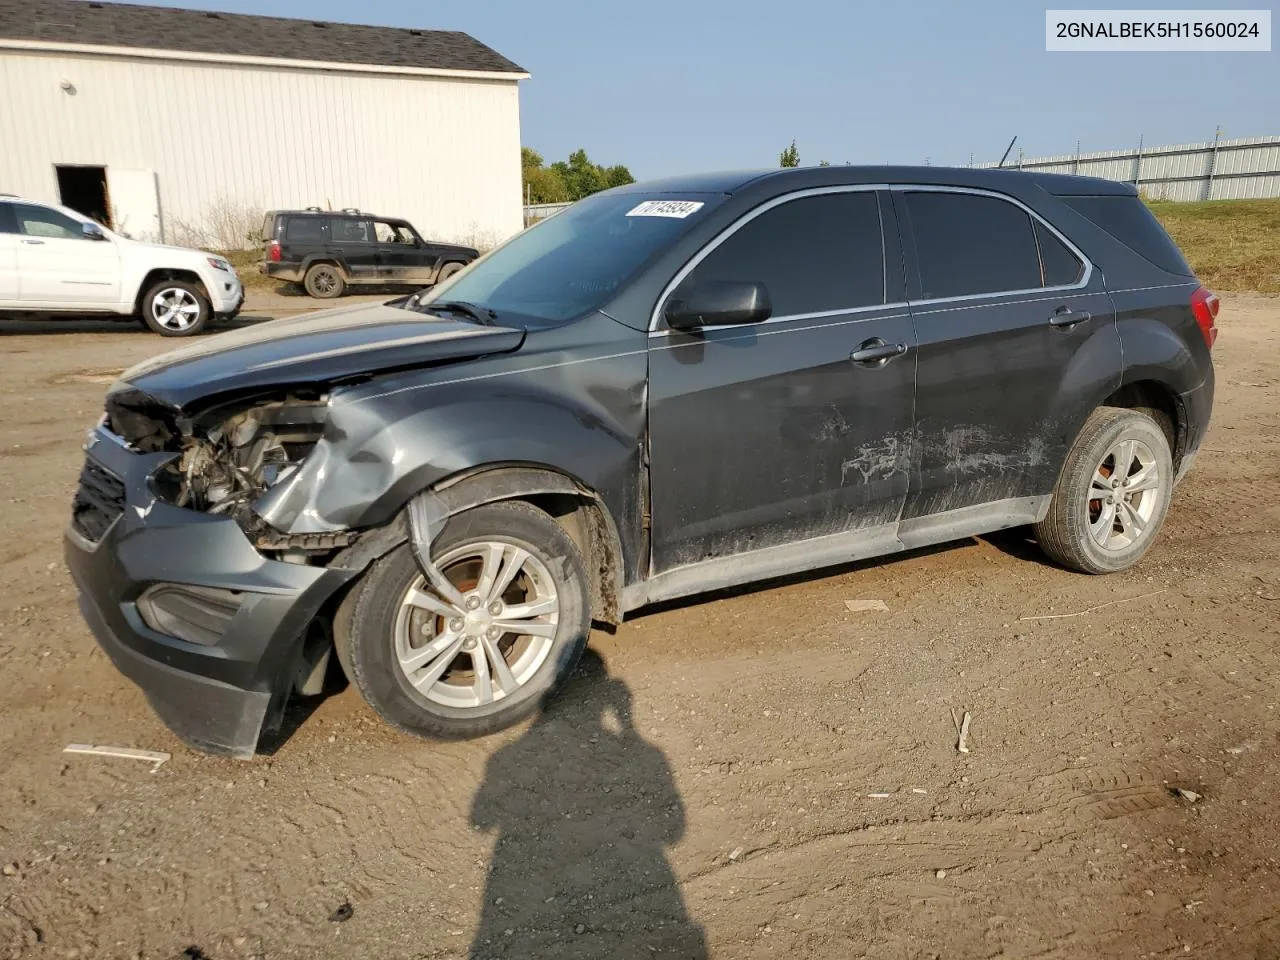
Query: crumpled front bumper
x,y
215,697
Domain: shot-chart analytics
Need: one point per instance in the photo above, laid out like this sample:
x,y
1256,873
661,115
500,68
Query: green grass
x,y
1233,245
246,264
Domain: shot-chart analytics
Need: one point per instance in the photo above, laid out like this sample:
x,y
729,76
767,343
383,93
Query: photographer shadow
x,y
584,808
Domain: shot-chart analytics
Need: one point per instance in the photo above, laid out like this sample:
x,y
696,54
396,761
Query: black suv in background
x,y
667,389
325,251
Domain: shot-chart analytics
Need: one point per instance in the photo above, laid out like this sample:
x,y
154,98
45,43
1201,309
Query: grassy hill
x,y
1231,244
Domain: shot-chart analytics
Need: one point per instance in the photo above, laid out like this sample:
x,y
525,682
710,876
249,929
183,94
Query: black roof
x,y
990,178
131,25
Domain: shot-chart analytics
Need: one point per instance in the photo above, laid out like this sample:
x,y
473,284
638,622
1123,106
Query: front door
x,y
59,266
1003,306
402,258
773,433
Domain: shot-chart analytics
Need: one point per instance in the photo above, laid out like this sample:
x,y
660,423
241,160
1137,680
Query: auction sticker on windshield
x,y
677,209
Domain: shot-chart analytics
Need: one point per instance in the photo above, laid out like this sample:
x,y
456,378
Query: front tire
x,y
1112,495
324,281
483,647
176,308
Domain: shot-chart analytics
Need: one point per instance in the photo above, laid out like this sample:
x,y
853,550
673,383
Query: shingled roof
x,y
195,31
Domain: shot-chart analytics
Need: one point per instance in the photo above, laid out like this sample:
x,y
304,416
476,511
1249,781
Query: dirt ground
x,y
760,774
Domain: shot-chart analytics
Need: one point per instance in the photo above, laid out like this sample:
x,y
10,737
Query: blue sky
x,y
675,86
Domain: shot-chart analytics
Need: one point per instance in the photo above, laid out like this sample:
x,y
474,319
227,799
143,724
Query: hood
x,y
167,248
312,348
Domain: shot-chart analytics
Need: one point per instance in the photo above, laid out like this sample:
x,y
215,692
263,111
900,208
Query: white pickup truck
x,y
55,261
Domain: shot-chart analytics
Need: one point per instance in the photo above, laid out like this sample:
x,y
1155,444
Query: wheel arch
x,y
324,258
1162,403
161,274
575,506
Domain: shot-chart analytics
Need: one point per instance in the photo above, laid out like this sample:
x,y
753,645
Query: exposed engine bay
x,y
227,466
230,455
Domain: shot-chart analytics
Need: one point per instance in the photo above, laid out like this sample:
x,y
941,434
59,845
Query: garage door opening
x,y
84,190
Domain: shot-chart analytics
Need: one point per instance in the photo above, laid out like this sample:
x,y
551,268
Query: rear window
x,y
1129,221
304,229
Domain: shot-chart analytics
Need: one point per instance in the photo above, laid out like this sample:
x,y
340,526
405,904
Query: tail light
x,y
273,254
1205,306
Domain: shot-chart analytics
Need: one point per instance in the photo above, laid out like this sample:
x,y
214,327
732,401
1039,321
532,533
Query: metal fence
x,y
1218,169
534,212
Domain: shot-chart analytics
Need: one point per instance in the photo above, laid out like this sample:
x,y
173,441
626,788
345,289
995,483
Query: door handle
x,y
32,242
1064,317
876,353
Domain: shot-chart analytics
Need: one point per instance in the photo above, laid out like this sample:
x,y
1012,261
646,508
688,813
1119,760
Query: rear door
x,y
59,266
1016,333
352,242
768,434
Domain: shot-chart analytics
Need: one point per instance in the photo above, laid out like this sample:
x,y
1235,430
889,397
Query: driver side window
x,y
814,254
42,222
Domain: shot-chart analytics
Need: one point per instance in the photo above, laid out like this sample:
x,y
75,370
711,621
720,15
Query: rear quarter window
x,y
304,229
1129,221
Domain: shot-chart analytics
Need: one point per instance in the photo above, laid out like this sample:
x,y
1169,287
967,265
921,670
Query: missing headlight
x,y
228,463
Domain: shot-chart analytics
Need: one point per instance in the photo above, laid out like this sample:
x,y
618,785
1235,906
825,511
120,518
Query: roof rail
x,y
350,210
14,195
315,210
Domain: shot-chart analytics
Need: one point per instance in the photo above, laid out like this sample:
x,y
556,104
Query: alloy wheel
x,y
480,627
1124,495
175,308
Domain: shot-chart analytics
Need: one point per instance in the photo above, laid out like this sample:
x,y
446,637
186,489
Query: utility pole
x,y
1213,164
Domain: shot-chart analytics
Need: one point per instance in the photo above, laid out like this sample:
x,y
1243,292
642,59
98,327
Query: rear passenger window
x,y
1059,267
813,255
350,231
969,244
304,229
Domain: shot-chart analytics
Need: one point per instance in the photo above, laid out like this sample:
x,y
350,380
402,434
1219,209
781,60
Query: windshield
x,y
574,261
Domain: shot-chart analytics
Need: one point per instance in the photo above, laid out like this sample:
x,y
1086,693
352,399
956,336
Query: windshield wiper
x,y
476,312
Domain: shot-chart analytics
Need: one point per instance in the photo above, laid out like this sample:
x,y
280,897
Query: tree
x,y
789,157
824,163
540,184
570,179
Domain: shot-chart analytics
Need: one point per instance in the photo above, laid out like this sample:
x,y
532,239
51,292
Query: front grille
x,y
98,502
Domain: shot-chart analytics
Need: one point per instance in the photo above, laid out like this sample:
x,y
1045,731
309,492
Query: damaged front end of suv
x,y
230,456
234,489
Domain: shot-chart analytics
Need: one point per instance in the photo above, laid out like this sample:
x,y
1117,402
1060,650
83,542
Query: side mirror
x,y
713,303
92,231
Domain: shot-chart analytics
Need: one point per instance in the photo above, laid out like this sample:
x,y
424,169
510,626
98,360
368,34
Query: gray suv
x,y
667,389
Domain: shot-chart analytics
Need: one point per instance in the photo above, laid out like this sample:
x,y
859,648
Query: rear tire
x,y
324,281
1112,495
435,667
175,308
448,270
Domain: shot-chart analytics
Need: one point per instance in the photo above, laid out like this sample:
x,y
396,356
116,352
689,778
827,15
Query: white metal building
x,y
186,126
